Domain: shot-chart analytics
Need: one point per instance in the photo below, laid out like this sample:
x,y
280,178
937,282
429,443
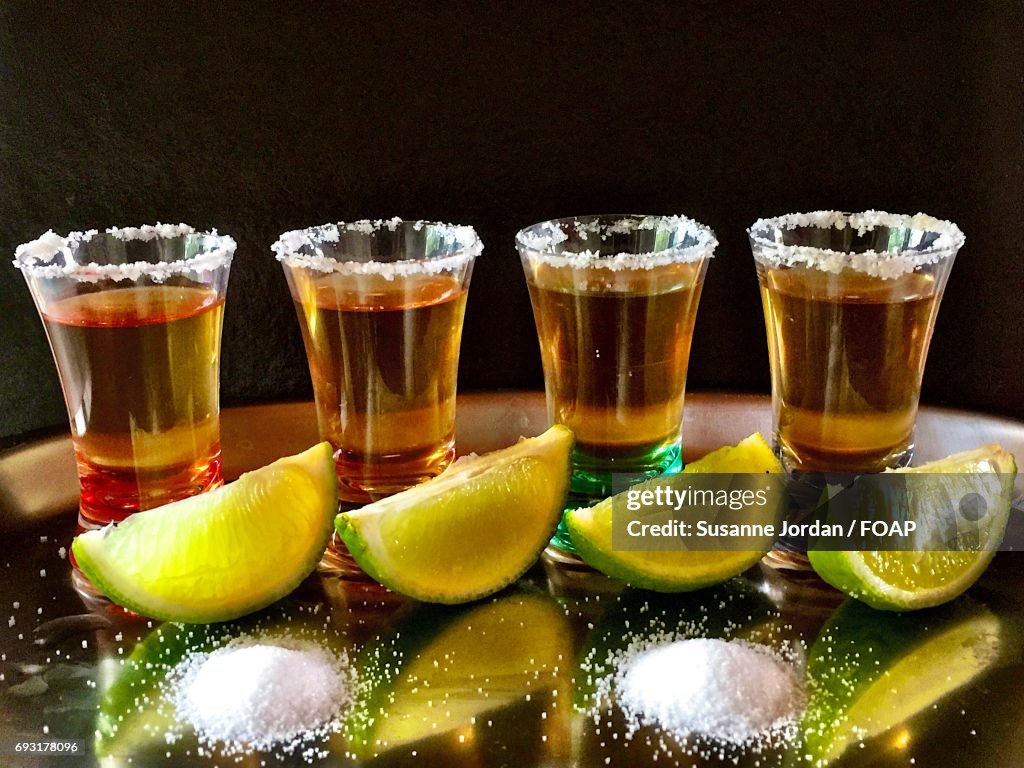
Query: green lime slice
x,y
672,571
472,530
221,554
135,715
132,717
445,668
908,580
869,671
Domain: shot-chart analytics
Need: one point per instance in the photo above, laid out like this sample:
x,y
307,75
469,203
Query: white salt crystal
x,y
256,694
943,240
729,691
303,248
544,242
54,257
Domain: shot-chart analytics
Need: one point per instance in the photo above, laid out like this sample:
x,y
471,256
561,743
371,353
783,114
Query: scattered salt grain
x,y
262,693
729,691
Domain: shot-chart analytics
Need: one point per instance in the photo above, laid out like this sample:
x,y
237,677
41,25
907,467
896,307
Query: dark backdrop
x,y
258,118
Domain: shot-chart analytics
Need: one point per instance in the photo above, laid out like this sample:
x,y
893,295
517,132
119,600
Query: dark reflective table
x,y
511,681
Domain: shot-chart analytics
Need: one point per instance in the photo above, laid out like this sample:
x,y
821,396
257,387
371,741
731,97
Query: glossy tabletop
x,y
507,681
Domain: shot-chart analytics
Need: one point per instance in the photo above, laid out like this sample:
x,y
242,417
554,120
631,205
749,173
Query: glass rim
x,y
35,257
888,263
302,248
537,243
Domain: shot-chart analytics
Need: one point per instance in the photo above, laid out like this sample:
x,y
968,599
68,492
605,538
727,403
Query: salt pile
x,y
728,691
262,694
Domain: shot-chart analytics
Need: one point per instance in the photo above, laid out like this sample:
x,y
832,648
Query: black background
x,y
255,118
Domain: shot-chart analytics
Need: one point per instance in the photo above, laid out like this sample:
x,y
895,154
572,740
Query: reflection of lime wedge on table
x,y
470,531
907,580
135,715
445,667
672,571
132,715
221,554
870,671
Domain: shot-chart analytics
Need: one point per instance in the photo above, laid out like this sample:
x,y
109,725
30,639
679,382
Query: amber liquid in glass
x,y
615,346
383,356
139,368
847,353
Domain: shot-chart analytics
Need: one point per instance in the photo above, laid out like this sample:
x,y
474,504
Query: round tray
x,y
60,656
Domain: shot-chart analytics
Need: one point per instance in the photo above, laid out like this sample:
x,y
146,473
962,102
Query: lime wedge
x,y
908,580
444,668
869,672
221,554
672,571
472,530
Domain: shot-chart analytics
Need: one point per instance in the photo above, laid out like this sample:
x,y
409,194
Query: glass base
x,y
109,496
805,491
589,486
337,562
98,603
563,554
841,463
785,560
597,477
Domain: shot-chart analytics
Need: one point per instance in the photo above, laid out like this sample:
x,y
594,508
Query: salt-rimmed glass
x,y
381,306
615,301
133,317
850,302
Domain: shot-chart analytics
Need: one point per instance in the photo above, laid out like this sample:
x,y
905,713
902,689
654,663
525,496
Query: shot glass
x,y
615,301
850,301
133,317
381,306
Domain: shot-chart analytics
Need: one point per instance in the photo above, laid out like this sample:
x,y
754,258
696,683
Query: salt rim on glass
x,y
932,241
303,248
52,256
542,241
